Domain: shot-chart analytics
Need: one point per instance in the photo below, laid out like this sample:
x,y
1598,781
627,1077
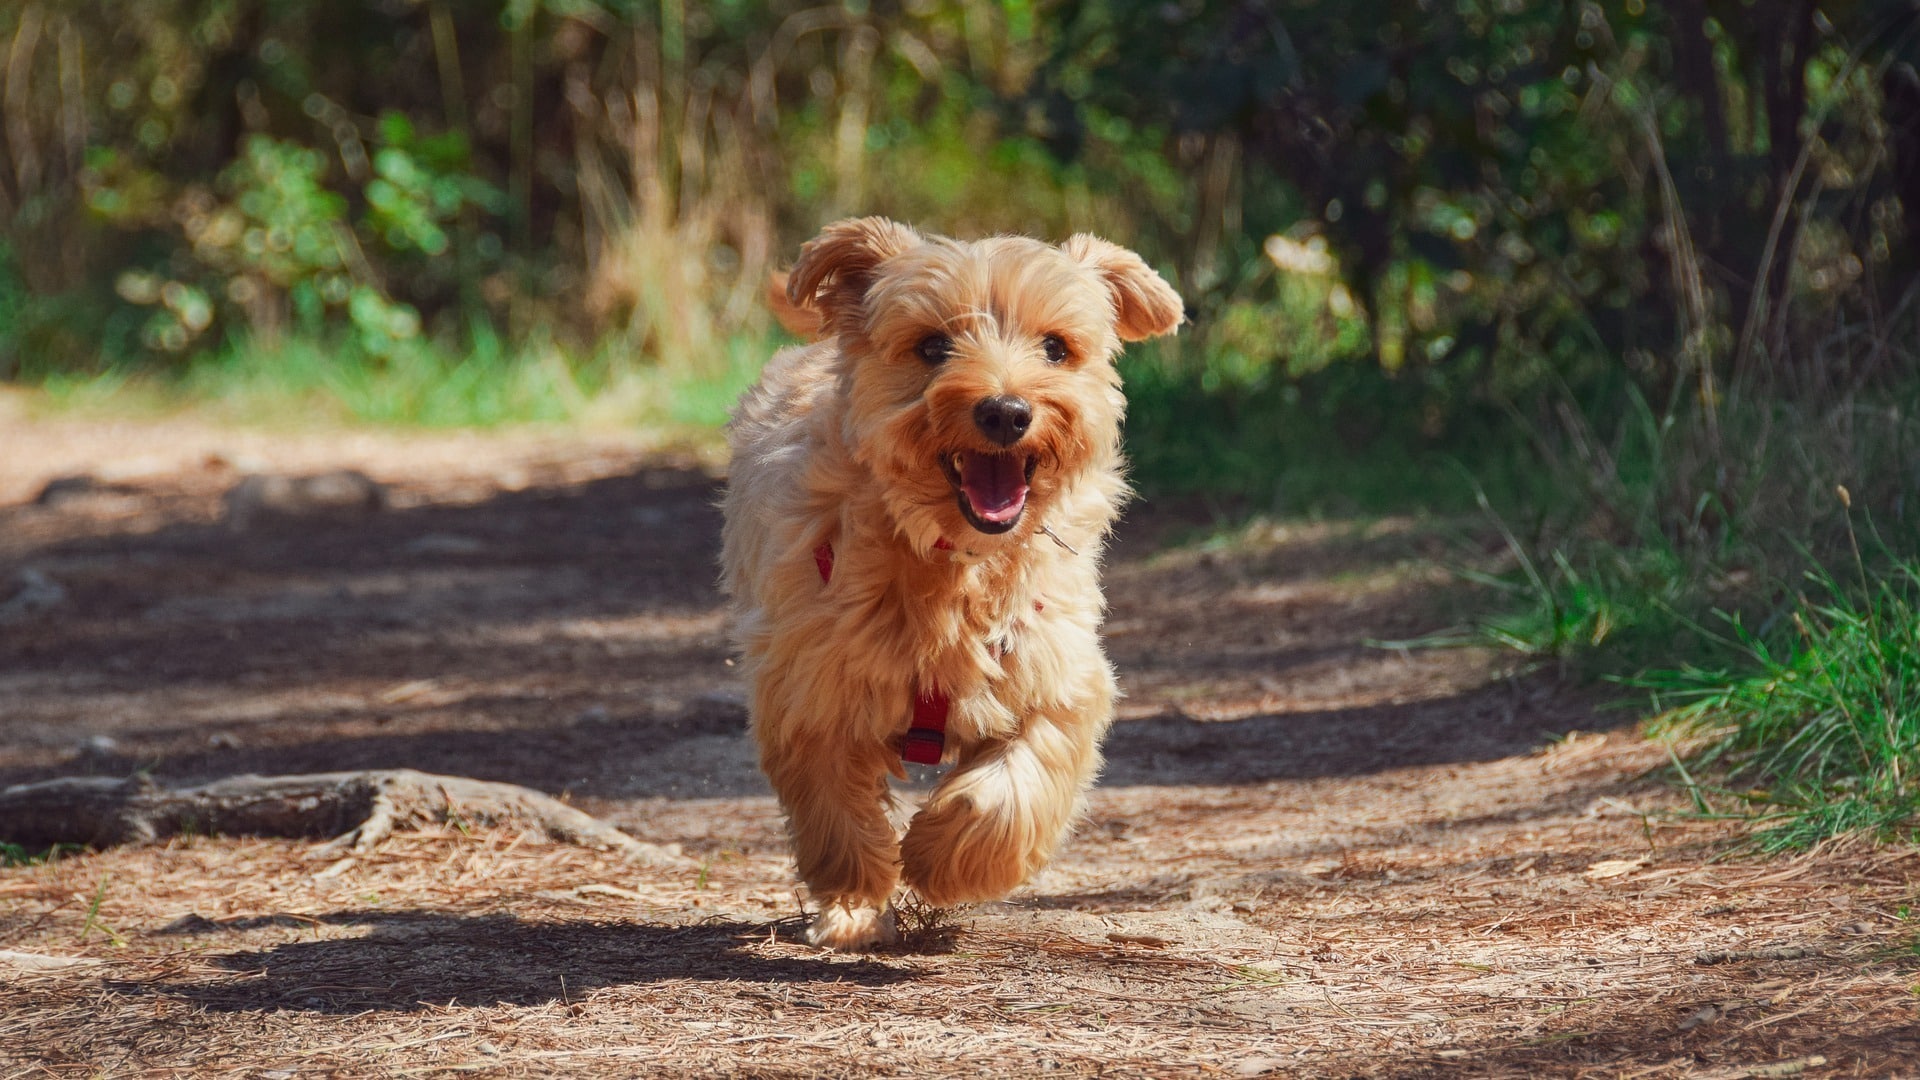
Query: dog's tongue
x,y
996,484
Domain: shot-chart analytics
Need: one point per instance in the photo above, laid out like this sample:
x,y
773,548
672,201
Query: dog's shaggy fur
x,y
951,443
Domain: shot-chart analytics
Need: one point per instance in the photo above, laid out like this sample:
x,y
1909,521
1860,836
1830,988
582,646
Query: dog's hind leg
x,y
836,802
1000,815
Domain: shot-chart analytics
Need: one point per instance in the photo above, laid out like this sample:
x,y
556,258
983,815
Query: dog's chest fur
x,y
985,632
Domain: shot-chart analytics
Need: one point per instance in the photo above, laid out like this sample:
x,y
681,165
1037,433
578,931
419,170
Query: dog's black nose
x,y
1003,418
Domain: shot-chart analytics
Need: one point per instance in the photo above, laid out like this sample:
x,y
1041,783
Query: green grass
x,y
1594,607
12,855
1693,569
1348,439
1817,731
484,385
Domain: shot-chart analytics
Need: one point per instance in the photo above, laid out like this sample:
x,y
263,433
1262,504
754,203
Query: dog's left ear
x,y
836,267
1145,305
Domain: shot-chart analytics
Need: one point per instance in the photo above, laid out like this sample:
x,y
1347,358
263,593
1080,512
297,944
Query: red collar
x,y
926,740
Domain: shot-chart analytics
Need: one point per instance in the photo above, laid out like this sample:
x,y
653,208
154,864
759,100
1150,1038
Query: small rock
x,y
99,746
341,495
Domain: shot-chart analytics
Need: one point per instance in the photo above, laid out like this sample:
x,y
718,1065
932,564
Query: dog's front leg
x,y
1000,815
835,796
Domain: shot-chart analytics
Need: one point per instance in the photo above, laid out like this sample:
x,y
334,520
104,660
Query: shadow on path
x,y
413,959
570,638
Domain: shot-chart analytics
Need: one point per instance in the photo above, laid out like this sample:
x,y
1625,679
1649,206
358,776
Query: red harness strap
x,y
926,740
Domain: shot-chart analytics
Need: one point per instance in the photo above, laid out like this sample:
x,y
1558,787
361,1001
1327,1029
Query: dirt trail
x,y
1308,856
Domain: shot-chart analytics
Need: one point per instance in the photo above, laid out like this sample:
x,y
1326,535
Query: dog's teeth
x,y
959,463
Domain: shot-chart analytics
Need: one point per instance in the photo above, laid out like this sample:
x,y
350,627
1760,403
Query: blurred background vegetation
x,y
1635,276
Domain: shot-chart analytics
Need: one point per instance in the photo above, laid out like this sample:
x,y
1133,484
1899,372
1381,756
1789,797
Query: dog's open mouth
x,y
991,488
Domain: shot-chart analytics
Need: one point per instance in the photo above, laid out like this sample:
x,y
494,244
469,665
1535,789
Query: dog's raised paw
x,y
955,853
848,929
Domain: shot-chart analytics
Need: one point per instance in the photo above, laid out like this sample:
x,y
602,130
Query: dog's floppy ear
x,y
1145,305
836,267
800,322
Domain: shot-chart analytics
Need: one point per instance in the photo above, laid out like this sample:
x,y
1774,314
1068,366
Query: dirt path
x,y
1307,857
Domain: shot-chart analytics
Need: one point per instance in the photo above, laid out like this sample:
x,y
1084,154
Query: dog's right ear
x,y
836,267
1144,305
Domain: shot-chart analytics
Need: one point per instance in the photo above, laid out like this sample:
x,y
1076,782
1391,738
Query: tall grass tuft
x,y
1822,722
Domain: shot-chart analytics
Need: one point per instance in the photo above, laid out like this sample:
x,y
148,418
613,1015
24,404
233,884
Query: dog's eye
x,y
935,348
1055,348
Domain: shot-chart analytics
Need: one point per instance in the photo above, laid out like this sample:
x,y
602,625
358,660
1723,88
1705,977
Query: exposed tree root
x,y
356,809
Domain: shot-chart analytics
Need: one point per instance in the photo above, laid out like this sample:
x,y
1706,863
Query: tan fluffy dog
x,y
913,525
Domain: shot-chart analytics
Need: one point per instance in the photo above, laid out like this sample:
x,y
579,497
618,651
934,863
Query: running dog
x,y
914,524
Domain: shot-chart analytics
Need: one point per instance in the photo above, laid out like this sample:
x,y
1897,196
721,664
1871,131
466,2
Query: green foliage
x,y
1642,542
1502,198
1617,606
272,240
421,186
1519,195
12,855
15,303
1345,439
1820,719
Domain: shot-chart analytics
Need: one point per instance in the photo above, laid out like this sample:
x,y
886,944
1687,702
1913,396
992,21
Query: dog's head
x,y
979,377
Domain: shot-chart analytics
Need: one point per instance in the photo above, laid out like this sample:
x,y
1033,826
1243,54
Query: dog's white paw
x,y
847,929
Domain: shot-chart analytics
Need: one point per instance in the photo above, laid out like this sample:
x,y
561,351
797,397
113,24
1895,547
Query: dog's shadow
x,y
411,960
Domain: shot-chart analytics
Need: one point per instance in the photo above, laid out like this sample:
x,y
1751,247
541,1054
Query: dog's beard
x,y
990,487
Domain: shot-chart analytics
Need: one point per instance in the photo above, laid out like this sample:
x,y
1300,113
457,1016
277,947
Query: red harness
x,y
926,740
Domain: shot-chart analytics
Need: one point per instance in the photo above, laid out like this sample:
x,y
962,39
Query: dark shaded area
x,y
1657,1041
608,759
645,542
437,638
313,625
1493,722
413,959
